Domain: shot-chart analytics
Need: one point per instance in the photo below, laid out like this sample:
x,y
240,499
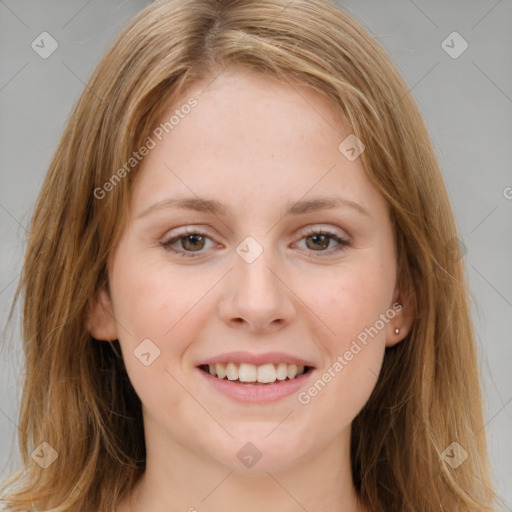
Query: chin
x,y
259,454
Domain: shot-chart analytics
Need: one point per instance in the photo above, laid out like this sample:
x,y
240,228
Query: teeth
x,y
232,371
265,374
220,369
282,371
292,371
247,373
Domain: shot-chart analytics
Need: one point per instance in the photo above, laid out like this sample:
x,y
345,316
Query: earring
x,y
397,330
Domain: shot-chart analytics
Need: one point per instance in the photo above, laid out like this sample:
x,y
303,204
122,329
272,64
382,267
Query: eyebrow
x,y
297,208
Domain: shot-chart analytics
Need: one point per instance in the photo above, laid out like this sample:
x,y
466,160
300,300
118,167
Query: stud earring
x,y
397,330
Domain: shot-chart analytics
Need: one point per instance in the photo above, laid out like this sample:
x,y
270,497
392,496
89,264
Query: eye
x,y
191,240
320,239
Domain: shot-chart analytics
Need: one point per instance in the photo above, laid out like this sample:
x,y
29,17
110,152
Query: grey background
x,y
466,102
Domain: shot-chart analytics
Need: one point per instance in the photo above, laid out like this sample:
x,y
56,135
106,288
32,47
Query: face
x,y
248,281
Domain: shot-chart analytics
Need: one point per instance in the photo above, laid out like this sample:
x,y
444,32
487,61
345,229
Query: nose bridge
x,y
255,259
256,293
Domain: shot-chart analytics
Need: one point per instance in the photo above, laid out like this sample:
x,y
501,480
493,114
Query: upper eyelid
x,y
186,230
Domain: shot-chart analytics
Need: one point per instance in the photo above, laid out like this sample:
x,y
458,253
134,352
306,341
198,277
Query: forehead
x,y
262,103
251,137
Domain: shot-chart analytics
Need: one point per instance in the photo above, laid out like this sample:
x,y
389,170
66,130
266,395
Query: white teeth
x,y
232,371
247,373
282,371
221,370
292,371
265,373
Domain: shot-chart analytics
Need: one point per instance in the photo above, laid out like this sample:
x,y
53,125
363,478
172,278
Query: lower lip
x,y
257,393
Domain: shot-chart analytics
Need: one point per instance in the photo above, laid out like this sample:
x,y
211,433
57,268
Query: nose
x,y
256,296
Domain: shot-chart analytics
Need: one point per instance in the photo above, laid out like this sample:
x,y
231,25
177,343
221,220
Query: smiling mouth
x,y
256,375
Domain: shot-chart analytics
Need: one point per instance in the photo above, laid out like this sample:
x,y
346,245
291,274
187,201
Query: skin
x,y
256,145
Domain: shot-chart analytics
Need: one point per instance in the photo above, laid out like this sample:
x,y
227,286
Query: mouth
x,y
262,375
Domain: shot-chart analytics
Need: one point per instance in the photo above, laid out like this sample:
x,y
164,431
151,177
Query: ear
x,y
404,316
100,322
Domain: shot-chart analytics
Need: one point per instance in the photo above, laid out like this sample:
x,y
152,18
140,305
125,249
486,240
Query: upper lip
x,y
256,359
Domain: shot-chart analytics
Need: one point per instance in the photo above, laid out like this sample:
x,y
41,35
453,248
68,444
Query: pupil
x,y
195,238
324,243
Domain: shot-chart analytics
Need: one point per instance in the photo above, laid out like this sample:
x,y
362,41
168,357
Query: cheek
x,y
356,297
158,301
152,307
148,294
142,299
356,309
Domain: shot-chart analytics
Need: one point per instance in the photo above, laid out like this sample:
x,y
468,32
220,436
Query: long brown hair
x,y
76,393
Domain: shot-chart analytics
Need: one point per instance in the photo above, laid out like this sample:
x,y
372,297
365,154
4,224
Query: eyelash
x,y
343,243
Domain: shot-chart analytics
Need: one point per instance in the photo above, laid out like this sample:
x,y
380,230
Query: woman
x,y
242,281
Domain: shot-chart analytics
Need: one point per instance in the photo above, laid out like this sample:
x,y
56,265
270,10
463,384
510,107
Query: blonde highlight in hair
x,y
76,394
